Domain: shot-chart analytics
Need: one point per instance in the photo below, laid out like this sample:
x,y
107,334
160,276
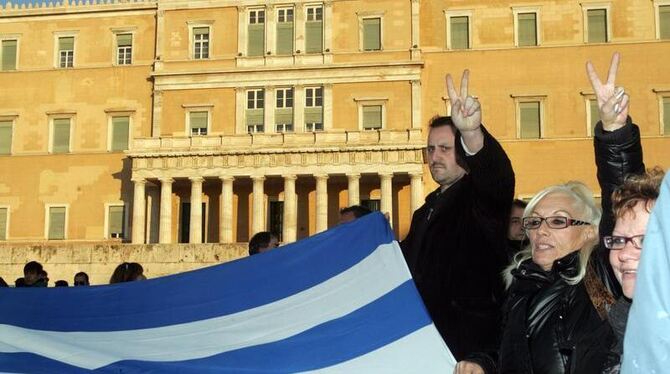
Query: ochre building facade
x,y
118,118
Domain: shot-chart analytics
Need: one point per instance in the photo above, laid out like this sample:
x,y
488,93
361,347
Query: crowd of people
x,y
543,286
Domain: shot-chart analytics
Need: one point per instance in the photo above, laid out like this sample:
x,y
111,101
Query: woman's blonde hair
x,y
586,209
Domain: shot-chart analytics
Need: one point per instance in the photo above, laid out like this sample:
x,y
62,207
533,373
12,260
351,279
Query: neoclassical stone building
x,y
172,121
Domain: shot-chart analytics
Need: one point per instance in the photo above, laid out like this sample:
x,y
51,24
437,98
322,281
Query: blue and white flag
x,y
647,338
342,301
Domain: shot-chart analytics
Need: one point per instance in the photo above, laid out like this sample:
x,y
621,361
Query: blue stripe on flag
x,y
205,293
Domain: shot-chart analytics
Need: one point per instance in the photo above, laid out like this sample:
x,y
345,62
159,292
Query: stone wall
x,y
98,259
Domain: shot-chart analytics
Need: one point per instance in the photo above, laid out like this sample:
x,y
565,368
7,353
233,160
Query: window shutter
x,y
115,220
529,114
597,19
198,120
256,45
8,55
3,223
200,30
527,23
255,116
285,38
66,43
372,117
666,115
5,137
120,130
664,21
314,115
460,38
595,115
57,223
284,116
61,135
372,34
314,36
124,40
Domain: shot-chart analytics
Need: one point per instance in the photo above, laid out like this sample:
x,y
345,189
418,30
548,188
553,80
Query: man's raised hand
x,y
466,112
612,101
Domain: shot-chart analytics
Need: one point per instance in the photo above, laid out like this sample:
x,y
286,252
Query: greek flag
x,y
647,338
342,301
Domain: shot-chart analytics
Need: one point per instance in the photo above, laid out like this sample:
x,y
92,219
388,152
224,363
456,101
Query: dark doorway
x,y
185,222
277,218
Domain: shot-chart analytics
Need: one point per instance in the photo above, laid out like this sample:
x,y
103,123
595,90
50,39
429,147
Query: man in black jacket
x,y
456,245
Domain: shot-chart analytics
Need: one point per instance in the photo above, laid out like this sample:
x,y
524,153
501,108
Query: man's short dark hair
x,y
81,274
439,121
357,210
518,203
260,240
33,267
61,283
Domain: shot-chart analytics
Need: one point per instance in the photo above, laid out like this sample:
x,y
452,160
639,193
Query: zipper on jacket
x,y
430,213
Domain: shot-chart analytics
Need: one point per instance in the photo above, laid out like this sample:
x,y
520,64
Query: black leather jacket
x,y
552,326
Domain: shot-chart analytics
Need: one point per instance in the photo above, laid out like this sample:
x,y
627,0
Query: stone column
x,y
416,190
195,229
226,210
156,114
321,202
139,211
165,227
416,104
386,205
290,209
353,189
258,204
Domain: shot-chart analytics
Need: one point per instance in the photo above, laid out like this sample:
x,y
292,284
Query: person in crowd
x,y
515,234
61,283
551,325
81,279
3,283
43,280
456,245
33,276
127,272
646,345
262,242
353,212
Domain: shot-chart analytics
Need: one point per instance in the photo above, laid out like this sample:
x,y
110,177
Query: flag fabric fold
x,y
339,301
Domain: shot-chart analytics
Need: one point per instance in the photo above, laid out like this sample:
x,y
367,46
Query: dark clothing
x,y
618,153
514,247
456,250
618,316
552,326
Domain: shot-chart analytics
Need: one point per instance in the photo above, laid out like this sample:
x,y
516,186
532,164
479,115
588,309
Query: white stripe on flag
x,y
382,271
422,351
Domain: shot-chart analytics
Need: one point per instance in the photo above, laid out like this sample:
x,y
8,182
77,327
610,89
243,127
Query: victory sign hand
x,y
612,101
466,112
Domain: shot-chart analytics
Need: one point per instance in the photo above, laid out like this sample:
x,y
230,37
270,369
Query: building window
x,y
529,119
66,51
285,31
6,130
526,29
120,133
314,109
9,49
372,117
124,49
597,26
60,135
593,115
458,32
255,112
56,222
663,22
314,29
372,34
372,204
256,33
666,115
201,43
197,122
115,221
284,110
4,222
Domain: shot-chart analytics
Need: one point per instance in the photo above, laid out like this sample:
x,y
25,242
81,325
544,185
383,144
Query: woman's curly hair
x,y
637,188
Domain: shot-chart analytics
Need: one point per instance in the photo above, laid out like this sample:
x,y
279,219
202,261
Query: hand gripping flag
x,y
647,339
342,301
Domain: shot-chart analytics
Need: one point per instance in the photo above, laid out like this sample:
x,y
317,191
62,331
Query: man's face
x,y
441,156
347,217
515,231
31,277
80,280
